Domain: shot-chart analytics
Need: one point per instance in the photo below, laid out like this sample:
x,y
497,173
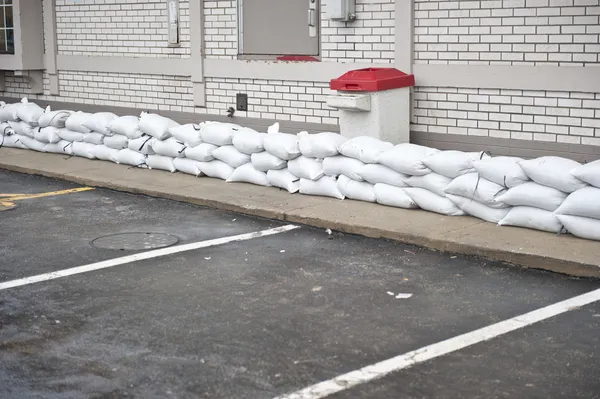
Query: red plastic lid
x,y
372,79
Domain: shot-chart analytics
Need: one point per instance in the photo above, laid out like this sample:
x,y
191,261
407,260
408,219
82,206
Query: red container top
x,y
372,79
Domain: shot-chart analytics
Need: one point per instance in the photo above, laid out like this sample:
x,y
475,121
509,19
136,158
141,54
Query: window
x,y
7,32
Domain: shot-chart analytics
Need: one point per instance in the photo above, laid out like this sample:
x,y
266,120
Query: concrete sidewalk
x,y
465,235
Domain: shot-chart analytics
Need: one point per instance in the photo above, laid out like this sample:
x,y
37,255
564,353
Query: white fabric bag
x,y
143,145
589,173
29,112
479,210
12,141
100,122
188,166
364,148
231,156
247,174
70,135
54,118
306,168
375,173
75,122
581,227
533,195
433,182
407,158
170,147
201,152
130,157
62,147
248,141
47,134
126,126
356,190
161,162
22,128
106,153
389,195
584,202
282,145
531,218
8,112
553,172
326,186
477,188
429,201
85,150
118,141
453,163
219,134
155,125
320,145
93,138
264,162
341,165
33,144
188,134
284,179
505,171
217,169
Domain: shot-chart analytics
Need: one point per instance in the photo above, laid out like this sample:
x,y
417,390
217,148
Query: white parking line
x,y
141,256
381,369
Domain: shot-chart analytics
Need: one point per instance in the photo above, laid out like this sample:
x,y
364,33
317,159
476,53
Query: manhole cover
x,y
135,241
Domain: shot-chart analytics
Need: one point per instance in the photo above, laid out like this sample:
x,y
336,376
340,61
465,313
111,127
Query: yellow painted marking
x,y
6,205
48,194
9,195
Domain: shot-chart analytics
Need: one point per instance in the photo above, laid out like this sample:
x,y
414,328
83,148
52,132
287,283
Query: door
x,y
279,27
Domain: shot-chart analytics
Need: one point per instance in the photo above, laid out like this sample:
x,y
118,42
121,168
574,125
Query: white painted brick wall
x,y
128,28
509,32
561,117
220,29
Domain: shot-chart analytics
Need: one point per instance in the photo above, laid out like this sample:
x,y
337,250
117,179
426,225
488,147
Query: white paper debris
x,y
390,293
403,296
208,258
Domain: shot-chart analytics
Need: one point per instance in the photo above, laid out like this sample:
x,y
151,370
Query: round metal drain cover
x,y
135,241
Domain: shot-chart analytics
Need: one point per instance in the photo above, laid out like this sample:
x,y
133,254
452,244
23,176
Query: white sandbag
x,y
477,188
217,169
12,141
306,168
85,150
429,201
407,158
93,138
326,186
477,209
218,133
553,172
188,166
282,145
364,148
584,202
126,126
106,153
247,174
389,195
376,173
264,162
100,122
320,145
231,156
505,171
433,182
581,227
70,135
284,179
170,147
8,112
189,134
54,118
118,141
22,128
341,165
33,144
453,163
533,195
130,157
29,112
356,190
155,125
75,122
588,173
62,147
531,218
202,152
143,145
47,134
161,162
248,141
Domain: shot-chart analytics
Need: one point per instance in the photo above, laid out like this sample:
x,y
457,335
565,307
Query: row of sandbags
x,y
549,193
